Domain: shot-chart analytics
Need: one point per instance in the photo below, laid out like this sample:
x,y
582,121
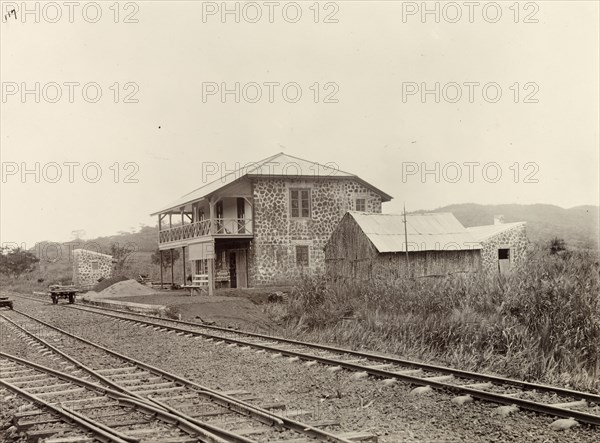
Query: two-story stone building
x,y
265,223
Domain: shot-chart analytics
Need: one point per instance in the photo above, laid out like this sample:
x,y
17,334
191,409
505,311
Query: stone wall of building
x,y
90,266
272,254
514,238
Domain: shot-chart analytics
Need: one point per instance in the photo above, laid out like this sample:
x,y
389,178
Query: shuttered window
x,y
300,203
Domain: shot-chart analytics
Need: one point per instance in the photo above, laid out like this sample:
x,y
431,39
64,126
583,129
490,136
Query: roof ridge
x,y
499,225
402,215
317,163
260,162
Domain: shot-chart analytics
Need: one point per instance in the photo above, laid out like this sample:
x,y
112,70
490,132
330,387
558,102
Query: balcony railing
x,y
222,226
233,226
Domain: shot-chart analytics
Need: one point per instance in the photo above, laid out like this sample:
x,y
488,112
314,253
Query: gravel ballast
x,y
359,404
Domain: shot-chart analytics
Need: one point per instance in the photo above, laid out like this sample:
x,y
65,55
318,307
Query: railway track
x,y
584,407
513,395
227,416
71,407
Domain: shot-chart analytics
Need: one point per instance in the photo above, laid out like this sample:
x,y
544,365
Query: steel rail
x,y
115,395
547,409
231,403
208,426
230,435
178,419
71,359
164,415
101,426
366,355
484,395
86,424
225,401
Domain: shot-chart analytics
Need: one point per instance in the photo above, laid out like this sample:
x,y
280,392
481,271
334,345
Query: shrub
x,y
540,322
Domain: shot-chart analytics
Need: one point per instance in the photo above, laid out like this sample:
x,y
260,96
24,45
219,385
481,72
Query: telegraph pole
x,y
406,241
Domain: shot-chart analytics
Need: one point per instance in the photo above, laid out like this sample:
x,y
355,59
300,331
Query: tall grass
x,y
37,280
541,322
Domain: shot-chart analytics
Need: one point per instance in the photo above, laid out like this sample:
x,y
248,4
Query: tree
x,y
166,257
78,234
120,254
16,262
557,245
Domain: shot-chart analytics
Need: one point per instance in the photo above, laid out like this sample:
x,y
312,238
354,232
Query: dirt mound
x,y
101,286
126,288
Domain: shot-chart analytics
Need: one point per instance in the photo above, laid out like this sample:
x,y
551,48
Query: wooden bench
x,y
199,283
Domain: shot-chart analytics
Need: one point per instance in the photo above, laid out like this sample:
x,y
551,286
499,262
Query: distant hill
x,y
578,226
144,240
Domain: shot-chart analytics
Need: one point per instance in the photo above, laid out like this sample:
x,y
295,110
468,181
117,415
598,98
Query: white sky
x,y
371,132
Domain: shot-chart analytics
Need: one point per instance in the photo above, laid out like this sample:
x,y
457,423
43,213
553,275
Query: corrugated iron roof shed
x,y
278,165
425,232
482,233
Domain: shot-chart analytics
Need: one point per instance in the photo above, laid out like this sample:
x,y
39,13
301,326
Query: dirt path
x,y
226,311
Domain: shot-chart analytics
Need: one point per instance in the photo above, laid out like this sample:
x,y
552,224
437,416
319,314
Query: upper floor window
x,y
95,265
300,204
361,204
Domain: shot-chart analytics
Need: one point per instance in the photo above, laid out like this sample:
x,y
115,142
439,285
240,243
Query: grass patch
x,y
541,323
173,312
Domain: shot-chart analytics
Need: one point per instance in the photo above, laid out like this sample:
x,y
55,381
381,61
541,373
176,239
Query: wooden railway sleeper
x,y
87,424
178,418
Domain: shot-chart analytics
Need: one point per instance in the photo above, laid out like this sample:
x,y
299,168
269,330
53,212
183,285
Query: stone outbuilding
x,y
504,246
368,246
90,266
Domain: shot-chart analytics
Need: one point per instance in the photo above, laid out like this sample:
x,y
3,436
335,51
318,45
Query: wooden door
x,y
241,268
503,260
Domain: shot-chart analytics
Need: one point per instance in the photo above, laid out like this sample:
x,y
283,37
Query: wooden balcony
x,y
219,227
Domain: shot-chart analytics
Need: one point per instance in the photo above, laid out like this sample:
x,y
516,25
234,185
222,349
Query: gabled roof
x,y
278,165
88,252
425,232
481,233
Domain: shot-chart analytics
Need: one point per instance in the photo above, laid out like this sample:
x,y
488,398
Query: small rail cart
x,y
66,292
5,302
